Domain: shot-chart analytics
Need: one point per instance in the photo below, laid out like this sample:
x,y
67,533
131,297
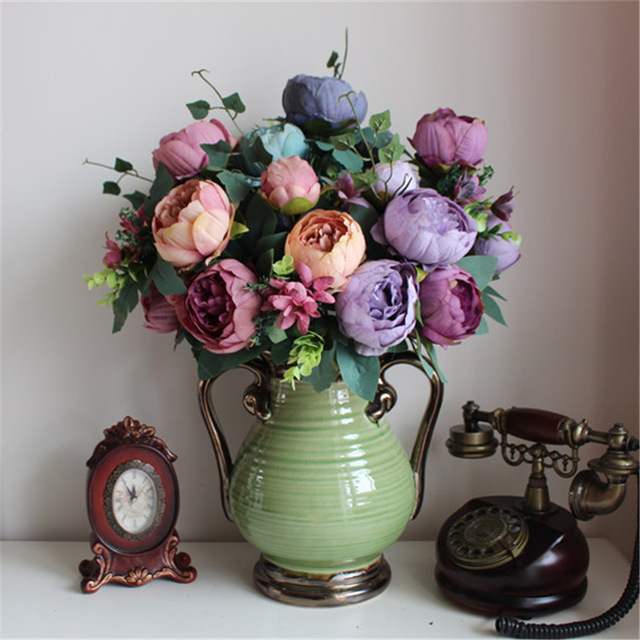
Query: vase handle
x,y
385,399
256,402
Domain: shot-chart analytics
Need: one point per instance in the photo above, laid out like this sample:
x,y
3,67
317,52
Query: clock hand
x,y
132,494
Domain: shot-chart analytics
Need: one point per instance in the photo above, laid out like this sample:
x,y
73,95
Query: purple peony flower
x,y
450,306
442,139
377,308
425,227
307,98
503,247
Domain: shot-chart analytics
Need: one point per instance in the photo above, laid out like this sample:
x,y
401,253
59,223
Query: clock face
x,y
134,499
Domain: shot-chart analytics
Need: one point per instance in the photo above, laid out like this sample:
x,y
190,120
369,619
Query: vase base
x,y
308,590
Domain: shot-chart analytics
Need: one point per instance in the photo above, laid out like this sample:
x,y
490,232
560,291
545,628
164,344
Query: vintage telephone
x,y
522,556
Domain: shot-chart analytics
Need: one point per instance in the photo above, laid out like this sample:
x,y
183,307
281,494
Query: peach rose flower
x,y
192,223
330,243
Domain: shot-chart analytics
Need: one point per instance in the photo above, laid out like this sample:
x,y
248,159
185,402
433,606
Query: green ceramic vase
x,y
318,487
321,487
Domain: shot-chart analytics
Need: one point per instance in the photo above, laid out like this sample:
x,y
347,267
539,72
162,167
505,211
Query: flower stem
x,y
231,115
129,172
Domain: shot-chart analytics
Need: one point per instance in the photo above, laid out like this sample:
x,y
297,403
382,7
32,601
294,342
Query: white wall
x,y
556,83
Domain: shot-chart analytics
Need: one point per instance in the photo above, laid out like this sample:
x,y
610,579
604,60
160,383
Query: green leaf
x,y
236,185
380,121
254,151
166,279
237,229
393,151
110,187
199,109
483,327
360,373
218,154
481,268
125,303
122,165
264,263
211,365
344,141
364,180
349,160
366,217
280,352
492,292
275,334
492,309
159,189
332,59
136,199
261,220
325,373
234,103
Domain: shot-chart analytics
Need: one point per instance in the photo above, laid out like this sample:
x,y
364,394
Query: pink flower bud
x,y
181,153
290,185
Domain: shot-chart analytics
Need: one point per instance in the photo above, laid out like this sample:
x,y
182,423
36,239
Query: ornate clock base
x,y
162,561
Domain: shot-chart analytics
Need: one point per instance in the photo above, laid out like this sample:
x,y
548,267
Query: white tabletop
x,y
41,598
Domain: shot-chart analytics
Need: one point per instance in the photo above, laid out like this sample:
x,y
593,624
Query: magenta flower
x,y
450,306
113,257
220,307
502,207
298,301
159,314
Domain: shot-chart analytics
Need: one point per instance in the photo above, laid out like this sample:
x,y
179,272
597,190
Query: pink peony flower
x,y
297,301
192,223
219,308
159,314
181,153
290,185
330,243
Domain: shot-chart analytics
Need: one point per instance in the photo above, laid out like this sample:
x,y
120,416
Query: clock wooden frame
x,y
132,559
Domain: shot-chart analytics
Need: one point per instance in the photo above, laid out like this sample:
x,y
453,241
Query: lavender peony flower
x,y
425,227
450,306
395,178
308,98
377,308
504,247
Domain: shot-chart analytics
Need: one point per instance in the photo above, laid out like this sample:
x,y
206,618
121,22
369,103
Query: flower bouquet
x,y
321,239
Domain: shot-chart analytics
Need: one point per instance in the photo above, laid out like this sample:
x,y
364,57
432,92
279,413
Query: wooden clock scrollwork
x,y
132,502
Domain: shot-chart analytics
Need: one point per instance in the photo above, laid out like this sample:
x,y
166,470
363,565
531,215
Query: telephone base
x,y
544,571
522,607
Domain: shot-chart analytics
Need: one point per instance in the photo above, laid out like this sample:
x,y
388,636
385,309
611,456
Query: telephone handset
x,y
524,555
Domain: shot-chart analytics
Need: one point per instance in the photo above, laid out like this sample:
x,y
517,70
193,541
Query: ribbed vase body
x,y
319,488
